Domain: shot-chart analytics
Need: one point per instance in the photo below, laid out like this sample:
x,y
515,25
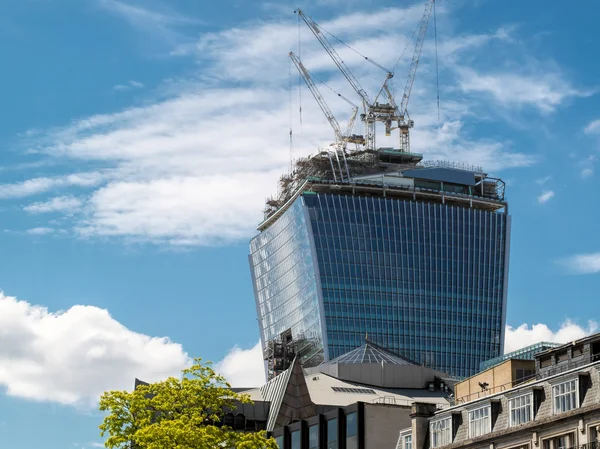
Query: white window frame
x,y
557,384
488,429
588,431
511,398
447,428
403,434
571,434
404,438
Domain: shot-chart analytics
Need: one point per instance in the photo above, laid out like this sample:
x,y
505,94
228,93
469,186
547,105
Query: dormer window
x,y
480,421
565,396
521,409
441,432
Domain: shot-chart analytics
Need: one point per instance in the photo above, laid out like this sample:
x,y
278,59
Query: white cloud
x,y
40,231
40,185
545,92
194,167
73,356
144,17
525,335
593,127
130,85
160,24
181,210
583,263
243,367
65,204
543,180
546,196
587,166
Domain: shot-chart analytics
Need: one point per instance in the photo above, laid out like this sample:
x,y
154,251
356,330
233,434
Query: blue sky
x,y
139,141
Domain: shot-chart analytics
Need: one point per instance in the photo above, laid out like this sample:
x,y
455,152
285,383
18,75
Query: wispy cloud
x,y
546,196
582,263
40,185
40,231
65,204
593,127
145,17
130,85
161,22
587,166
544,180
545,92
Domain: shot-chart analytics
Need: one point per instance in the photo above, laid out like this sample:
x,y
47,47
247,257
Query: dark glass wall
x,y
424,280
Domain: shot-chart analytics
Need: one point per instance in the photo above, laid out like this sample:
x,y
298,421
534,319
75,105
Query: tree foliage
x,y
177,414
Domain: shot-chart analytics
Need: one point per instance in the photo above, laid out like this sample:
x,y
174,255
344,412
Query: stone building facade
x,y
553,411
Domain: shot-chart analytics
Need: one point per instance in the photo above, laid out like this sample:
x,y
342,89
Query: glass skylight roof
x,y
370,353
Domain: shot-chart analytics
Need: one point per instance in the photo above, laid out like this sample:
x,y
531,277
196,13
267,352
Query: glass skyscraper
x,y
414,257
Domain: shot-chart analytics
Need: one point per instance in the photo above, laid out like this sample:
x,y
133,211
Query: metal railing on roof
x,y
494,390
450,164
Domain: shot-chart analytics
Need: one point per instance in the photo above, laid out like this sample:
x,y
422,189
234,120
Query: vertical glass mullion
x,y
411,272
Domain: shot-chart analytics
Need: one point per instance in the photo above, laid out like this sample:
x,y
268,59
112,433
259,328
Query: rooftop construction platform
x,y
387,173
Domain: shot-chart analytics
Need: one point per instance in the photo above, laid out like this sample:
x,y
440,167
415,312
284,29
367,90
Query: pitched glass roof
x,y
371,353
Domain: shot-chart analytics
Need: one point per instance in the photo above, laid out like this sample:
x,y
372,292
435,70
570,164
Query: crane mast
x,y
404,122
318,97
341,139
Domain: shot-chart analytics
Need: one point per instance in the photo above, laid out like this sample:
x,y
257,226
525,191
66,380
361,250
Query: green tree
x,y
177,414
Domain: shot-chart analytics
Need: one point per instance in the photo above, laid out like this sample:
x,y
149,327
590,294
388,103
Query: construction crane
x,y
314,27
389,112
342,139
366,103
404,122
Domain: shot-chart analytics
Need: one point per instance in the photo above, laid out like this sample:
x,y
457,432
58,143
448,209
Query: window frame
x,y
448,428
402,437
477,408
571,434
562,381
519,395
589,428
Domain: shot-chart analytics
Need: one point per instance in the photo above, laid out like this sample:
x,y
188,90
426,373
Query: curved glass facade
x,y
286,284
424,280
